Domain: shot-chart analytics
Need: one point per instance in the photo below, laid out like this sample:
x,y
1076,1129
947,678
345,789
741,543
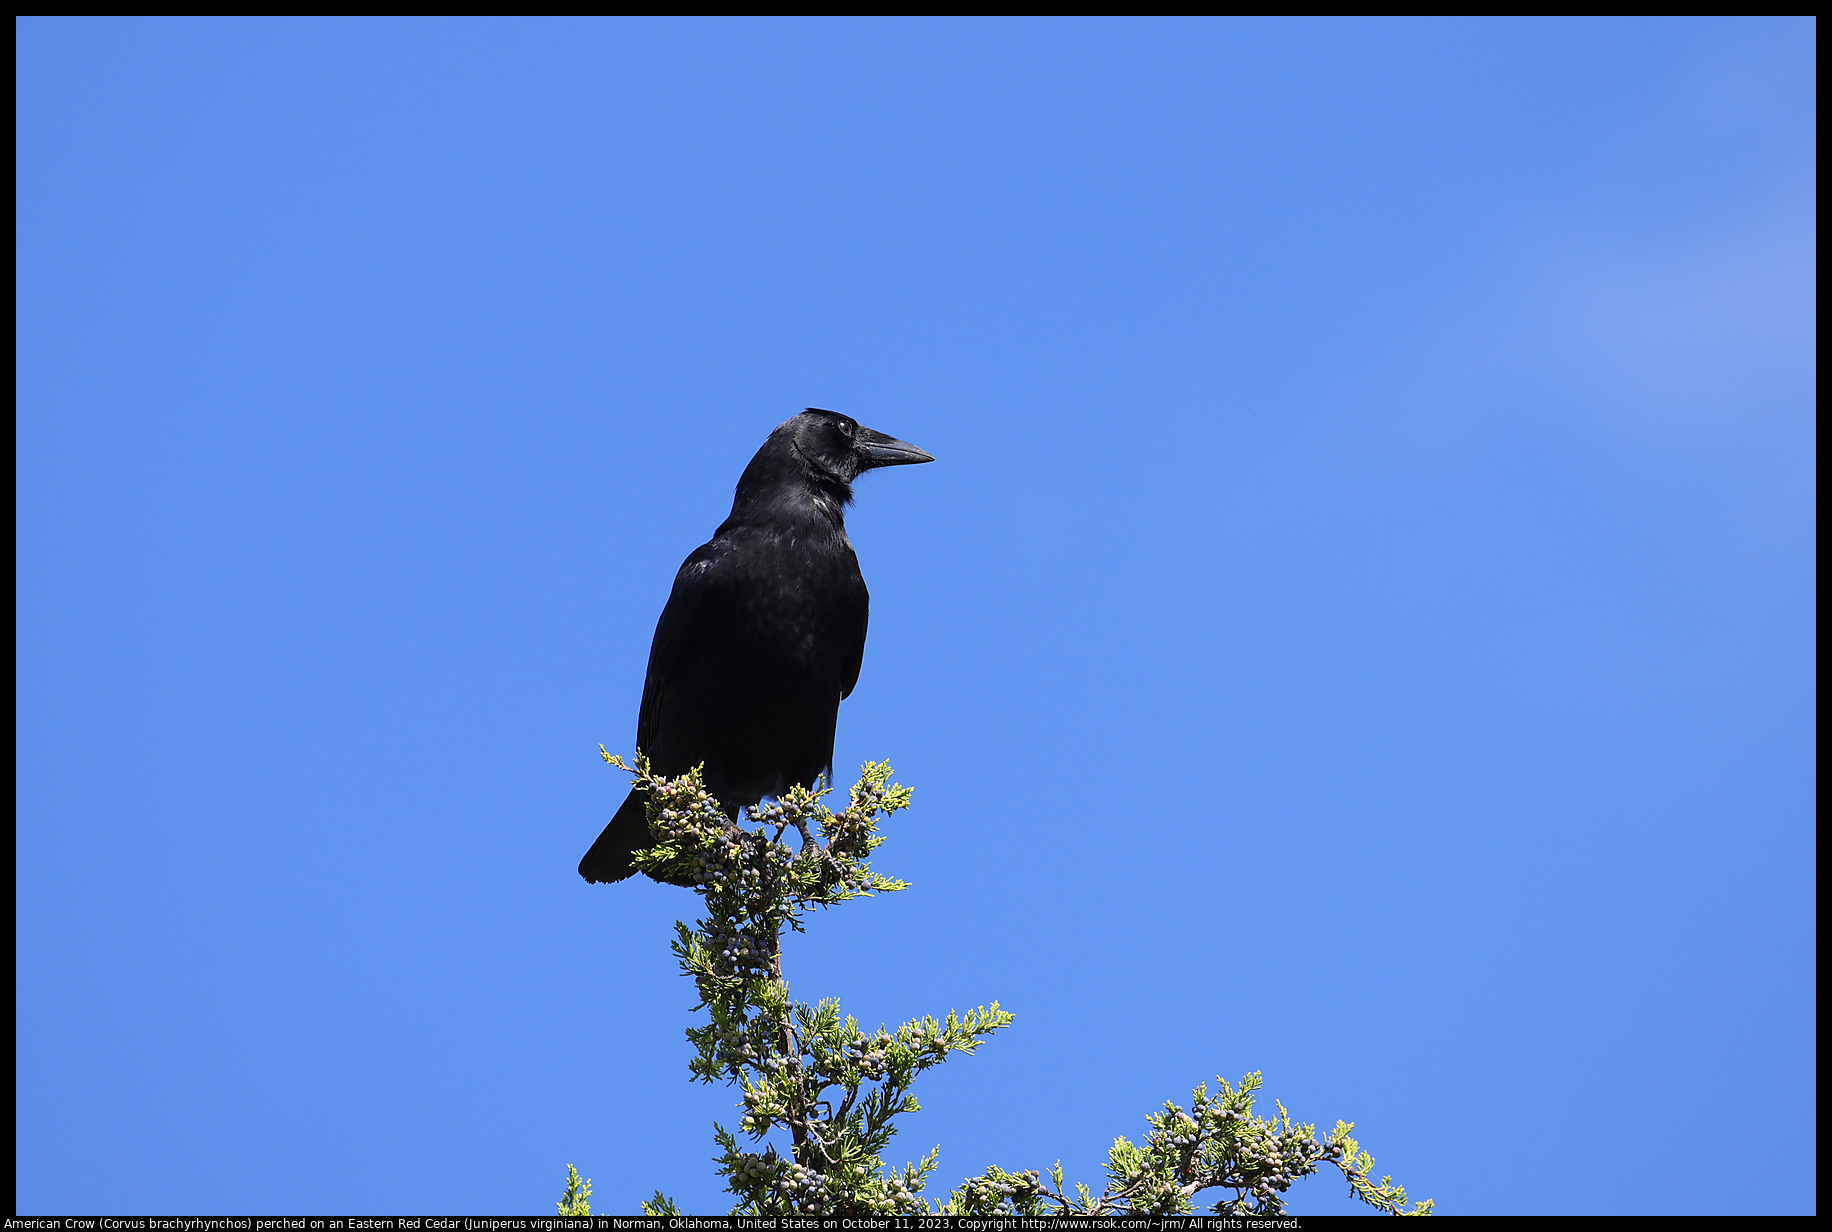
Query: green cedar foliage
x,y
577,1198
820,1096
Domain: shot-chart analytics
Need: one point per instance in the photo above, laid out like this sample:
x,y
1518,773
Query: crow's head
x,y
841,447
810,461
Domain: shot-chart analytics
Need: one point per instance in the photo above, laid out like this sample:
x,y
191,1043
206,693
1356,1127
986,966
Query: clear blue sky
x,y
1359,625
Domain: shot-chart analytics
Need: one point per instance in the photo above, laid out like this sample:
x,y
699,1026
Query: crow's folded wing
x,y
853,651
679,632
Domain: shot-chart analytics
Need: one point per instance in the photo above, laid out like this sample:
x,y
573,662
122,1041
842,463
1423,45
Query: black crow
x,y
763,634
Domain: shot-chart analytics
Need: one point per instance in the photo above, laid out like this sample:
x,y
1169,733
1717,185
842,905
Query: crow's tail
x,y
609,858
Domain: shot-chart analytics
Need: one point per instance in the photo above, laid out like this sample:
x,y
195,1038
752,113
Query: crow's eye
x,y
845,427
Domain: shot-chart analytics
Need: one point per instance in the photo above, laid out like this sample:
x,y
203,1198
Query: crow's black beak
x,y
888,450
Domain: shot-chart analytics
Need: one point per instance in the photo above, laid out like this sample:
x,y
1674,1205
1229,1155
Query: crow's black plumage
x,y
763,633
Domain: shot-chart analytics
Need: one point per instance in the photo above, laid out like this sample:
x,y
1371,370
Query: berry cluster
x,y
716,854
904,1198
770,1182
1275,1161
997,1192
734,1049
738,953
788,1182
868,1055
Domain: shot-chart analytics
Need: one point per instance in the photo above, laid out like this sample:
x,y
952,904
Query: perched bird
x,y
763,634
